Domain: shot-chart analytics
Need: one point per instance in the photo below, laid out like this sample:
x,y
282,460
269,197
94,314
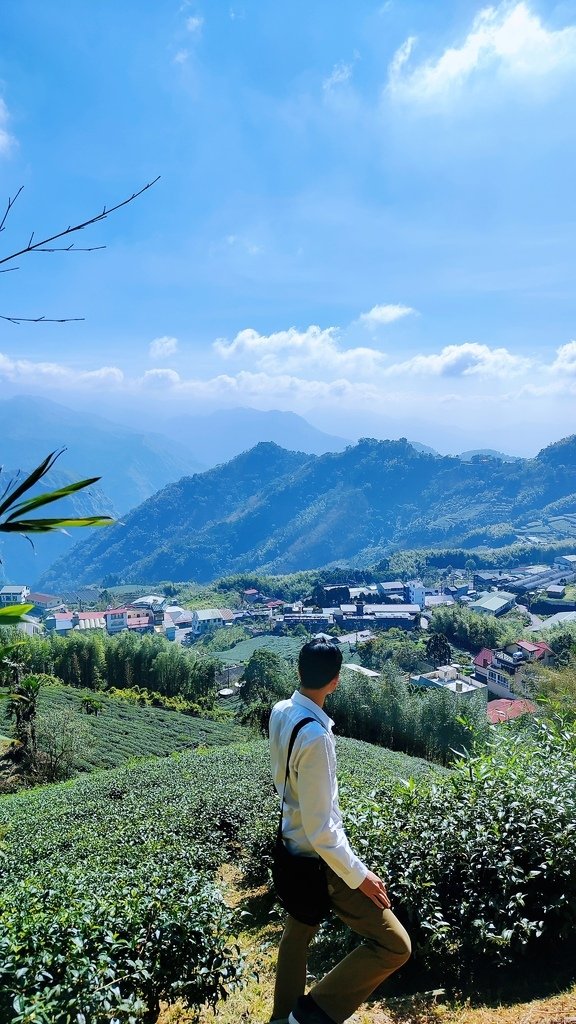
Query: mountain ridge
x,y
279,511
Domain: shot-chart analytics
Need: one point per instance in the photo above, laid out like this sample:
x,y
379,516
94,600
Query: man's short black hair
x,y
318,663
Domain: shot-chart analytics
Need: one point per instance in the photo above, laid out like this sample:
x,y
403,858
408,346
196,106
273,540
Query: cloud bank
x,y
510,40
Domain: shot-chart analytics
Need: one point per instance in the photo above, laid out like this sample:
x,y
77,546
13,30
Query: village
x,y
349,615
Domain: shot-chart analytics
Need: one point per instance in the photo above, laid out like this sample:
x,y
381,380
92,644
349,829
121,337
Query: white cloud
x,y
565,362
6,140
469,359
379,315
181,57
293,350
244,244
194,24
26,372
158,379
341,73
509,39
163,347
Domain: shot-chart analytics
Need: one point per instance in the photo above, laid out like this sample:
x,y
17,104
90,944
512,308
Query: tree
x,y
22,707
63,738
266,679
438,649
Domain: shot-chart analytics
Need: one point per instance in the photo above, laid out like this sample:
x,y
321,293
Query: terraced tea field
x,y
123,730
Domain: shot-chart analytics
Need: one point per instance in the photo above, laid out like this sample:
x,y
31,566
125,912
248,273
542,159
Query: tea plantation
x,y
123,730
108,902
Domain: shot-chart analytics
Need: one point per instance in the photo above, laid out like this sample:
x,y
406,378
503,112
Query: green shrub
x,y
73,950
481,862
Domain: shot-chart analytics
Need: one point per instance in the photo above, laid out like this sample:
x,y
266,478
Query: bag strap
x,y
299,725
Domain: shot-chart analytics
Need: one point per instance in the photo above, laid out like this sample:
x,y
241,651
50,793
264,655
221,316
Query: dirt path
x,y
252,1004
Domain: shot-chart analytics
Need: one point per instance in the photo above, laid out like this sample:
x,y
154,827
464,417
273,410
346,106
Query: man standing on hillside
x,y
312,826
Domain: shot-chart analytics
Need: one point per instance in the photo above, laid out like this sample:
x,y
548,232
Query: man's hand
x,y
374,888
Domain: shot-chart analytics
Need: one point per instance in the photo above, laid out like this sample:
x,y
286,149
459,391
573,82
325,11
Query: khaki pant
x,y
344,989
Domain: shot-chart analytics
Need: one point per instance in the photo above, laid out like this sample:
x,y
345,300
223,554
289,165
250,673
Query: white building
x,y
14,594
204,619
416,593
447,677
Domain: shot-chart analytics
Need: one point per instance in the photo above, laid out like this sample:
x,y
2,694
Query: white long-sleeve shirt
x,y
311,822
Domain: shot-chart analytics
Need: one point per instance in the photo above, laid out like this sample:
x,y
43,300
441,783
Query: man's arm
x,y
316,786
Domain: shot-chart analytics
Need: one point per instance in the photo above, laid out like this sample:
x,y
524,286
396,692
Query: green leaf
x,y
13,613
45,525
45,499
29,481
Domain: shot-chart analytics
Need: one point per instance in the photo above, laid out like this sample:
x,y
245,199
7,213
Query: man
x,y
312,825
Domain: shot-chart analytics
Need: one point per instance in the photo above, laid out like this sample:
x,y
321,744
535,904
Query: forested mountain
x,y
280,511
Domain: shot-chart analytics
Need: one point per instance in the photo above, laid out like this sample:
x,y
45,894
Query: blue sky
x,y
366,212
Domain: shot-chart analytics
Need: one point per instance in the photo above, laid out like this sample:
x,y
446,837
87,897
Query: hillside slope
x,y
279,511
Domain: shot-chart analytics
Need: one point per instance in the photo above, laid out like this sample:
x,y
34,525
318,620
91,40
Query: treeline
x,y
386,711
424,561
96,661
391,713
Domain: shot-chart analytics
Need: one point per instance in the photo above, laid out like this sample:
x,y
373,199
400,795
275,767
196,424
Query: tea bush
x,y
88,948
481,862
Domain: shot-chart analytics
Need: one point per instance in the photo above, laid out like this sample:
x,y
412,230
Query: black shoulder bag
x,y
299,881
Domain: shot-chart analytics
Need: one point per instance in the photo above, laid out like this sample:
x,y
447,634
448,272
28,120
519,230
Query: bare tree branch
x,y
9,206
40,246
41,319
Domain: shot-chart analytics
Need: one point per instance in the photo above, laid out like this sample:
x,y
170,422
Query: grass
x,y
124,730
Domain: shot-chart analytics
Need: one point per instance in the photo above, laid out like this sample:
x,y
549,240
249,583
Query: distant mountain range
x,y
279,511
220,436
133,462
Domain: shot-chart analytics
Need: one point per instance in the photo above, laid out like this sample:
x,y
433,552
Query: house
x,y
414,593
435,600
182,618
391,587
367,592
370,673
559,619
483,578
139,620
495,602
556,590
362,636
377,616
205,619
88,620
566,562
148,601
42,602
251,595
29,625
447,677
502,669
58,623
504,710
457,591
14,594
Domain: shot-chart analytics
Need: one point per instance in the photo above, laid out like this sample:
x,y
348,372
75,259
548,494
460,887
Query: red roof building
x,y
504,710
